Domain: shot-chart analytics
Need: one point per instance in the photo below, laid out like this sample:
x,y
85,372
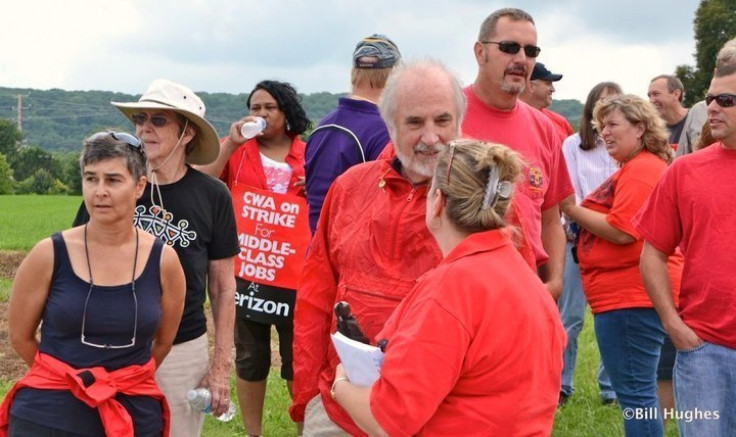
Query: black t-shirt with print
x,y
199,223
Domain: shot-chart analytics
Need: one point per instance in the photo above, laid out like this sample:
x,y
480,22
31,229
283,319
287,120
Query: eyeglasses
x,y
449,164
723,100
451,151
124,137
156,120
83,337
110,346
512,48
131,140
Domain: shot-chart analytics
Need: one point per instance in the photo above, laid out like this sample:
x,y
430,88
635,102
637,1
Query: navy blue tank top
x,y
110,318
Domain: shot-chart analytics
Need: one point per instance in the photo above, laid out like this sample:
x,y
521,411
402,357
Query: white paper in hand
x,y
362,362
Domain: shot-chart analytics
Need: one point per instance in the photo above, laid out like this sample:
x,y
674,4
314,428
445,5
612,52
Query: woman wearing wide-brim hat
x,y
193,213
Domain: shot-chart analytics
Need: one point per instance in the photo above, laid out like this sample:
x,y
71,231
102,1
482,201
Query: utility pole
x,y
20,110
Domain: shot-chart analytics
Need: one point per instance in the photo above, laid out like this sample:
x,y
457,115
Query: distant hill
x,y
571,109
58,120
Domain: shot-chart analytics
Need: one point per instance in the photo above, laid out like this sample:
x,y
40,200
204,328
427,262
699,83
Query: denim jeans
x,y
629,341
705,383
604,384
572,305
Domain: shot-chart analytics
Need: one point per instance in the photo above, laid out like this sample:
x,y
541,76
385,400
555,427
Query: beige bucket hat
x,y
164,94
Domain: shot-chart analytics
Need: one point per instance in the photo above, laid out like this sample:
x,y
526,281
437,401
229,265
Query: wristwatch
x,y
334,384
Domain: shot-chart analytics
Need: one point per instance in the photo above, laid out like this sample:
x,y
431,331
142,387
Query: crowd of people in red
x,y
467,228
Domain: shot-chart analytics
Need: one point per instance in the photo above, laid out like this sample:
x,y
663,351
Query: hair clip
x,y
496,190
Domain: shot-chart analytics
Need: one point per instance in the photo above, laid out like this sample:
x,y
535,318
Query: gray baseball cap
x,y
376,51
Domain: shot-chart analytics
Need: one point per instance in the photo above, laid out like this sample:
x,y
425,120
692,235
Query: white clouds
x,y
44,41
229,45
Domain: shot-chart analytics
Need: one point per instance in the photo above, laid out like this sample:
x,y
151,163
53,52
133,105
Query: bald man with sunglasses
x,y
691,209
506,52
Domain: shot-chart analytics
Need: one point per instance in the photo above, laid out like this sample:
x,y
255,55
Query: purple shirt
x,y
351,134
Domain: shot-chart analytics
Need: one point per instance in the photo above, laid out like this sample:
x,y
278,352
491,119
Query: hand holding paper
x,y
362,362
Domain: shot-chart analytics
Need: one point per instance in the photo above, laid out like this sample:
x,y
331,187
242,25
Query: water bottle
x,y
201,399
252,128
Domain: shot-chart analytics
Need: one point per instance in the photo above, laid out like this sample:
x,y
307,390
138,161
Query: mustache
x,y
516,69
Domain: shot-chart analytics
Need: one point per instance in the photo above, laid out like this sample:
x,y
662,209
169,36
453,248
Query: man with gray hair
x,y
371,242
506,51
666,93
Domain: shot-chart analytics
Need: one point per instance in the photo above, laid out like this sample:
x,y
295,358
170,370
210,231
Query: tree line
x,y
43,158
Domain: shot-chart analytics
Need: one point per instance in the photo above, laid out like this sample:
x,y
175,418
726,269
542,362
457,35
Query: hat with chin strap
x,y
166,95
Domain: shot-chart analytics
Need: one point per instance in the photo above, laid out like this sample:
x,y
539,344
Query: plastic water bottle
x,y
252,128
201,399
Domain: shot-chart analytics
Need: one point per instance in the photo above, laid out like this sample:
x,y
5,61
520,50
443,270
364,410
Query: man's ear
x,y
478,50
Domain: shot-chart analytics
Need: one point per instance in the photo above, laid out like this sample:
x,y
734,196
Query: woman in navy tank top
x,y
108,298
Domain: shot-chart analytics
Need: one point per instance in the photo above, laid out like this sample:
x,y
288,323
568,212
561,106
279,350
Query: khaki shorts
x,y
317,423
182,370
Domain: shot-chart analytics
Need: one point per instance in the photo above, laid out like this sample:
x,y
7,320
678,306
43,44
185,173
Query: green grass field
x,y
26,219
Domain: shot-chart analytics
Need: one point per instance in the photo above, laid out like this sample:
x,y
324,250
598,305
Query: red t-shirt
x,y
693,207
472,352
610,271
546,180
561,124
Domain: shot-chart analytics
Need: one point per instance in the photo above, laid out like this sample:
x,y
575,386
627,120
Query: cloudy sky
x,y
229,45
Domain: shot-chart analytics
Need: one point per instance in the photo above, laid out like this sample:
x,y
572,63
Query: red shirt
x,y
472,351
692,207
561,124
245,166
521,237
545,180
49,373
370,246
610,271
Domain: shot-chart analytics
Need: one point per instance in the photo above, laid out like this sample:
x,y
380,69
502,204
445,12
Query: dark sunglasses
x,y
513,48
451,152
156,120
723,100
131,140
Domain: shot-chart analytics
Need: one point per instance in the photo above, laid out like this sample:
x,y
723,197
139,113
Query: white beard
x,y
422,168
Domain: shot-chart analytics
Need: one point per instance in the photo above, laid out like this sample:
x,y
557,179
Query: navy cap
x,y
541,72
382,52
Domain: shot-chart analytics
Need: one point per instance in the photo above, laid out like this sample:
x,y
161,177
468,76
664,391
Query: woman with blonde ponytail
x,y
463,352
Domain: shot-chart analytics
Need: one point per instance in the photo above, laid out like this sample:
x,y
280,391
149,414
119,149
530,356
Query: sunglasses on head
x,y
512,48
723,100
131,140
156,120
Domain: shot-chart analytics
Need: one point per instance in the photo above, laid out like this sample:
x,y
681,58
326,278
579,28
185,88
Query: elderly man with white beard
x,y
371,241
